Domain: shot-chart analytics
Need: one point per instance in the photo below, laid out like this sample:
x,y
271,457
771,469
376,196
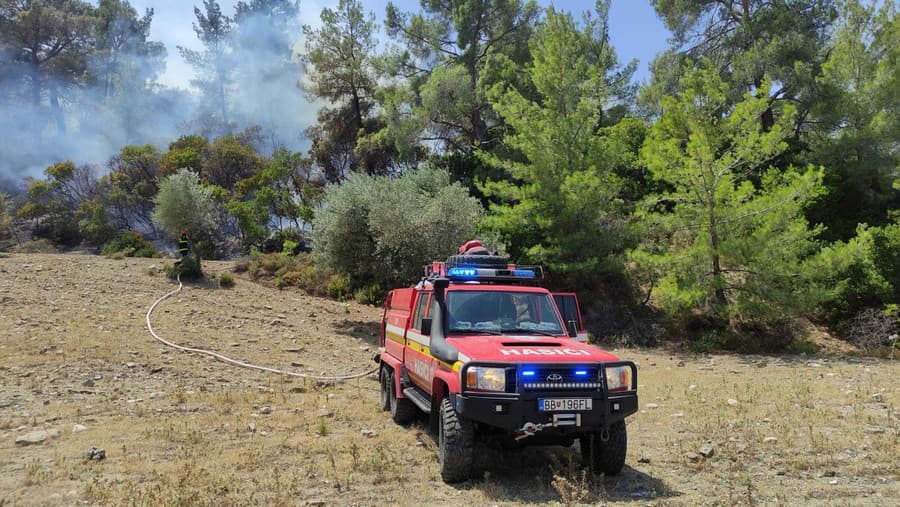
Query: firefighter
x,y
184,247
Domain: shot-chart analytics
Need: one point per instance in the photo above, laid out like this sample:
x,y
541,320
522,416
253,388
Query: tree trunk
x,y
716,267
767,120
35,72
57,110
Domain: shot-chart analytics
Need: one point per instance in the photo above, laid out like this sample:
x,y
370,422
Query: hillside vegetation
x,y
747,189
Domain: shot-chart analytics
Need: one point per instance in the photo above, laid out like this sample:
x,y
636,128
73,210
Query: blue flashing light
x,y
463,272
528,373
523,273
581,373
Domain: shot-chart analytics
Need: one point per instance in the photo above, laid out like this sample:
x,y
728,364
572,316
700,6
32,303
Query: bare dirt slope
x,y
80,370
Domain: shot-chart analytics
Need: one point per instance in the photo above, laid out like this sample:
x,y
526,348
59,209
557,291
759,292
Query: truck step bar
x,y
418,398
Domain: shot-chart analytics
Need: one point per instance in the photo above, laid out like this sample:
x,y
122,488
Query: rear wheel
x,y
385,388
403,411
606,457
456,449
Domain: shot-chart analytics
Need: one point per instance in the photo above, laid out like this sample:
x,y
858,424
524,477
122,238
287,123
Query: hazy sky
x,y
635,30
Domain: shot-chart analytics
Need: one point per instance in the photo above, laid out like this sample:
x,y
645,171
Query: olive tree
x,y
382,230
183,203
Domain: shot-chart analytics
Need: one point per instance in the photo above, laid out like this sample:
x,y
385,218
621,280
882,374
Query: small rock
x,y
832,482
692,456
296,364
157,394
264,433
130,365
770,440
829,473
95,454
265,410
814,365
680,364
88,383
651,405
692,387
36,437
876,396
707,451
732,401
369,433
678,414
156,369
252,427
79,428
644,459
324,413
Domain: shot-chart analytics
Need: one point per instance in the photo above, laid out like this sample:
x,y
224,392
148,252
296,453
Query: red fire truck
x,y
487,353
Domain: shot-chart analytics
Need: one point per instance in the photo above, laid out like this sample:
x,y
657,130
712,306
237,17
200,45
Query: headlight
x,y
486,379
618,378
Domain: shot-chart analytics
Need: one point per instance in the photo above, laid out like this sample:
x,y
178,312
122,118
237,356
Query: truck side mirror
x,y
426,326
572,326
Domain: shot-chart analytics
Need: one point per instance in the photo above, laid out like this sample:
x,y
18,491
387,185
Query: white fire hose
x,y
235,362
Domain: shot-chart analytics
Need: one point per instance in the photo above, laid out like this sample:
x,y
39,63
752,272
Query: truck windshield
x,y
492,312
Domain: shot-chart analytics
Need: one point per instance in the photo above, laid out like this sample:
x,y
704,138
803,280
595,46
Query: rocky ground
x,y
80,372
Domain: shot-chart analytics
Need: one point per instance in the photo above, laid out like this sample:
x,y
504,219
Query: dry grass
x,y
182,430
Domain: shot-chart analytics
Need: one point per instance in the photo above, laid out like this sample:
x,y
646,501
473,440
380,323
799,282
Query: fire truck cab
x,y
488,353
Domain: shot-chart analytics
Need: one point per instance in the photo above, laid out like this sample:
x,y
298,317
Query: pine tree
x,y
716,240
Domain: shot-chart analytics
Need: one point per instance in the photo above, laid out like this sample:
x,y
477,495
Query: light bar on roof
x,y
473,273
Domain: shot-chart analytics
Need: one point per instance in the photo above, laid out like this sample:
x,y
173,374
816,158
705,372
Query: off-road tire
x,y
403,411
456,444
480,261
608,457
386,386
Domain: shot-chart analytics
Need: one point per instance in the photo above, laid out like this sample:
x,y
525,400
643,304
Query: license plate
x,y
563,404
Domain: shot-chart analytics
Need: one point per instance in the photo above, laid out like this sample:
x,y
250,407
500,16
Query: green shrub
x,y
226,280
369,295
338,286
130,244
863,272
188,268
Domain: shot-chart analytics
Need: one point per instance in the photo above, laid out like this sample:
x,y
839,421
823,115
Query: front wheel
x,y
606,457
456,444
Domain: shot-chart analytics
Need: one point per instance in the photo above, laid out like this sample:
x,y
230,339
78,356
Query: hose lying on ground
x,y
234,362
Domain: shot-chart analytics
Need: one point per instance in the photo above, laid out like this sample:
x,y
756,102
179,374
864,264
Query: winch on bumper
x,y
539,402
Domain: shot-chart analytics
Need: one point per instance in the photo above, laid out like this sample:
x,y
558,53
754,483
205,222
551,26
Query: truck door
x,y
419,363
567,302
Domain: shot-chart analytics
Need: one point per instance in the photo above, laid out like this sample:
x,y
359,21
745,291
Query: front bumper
x,y
514,411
